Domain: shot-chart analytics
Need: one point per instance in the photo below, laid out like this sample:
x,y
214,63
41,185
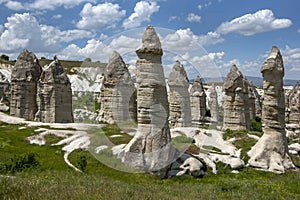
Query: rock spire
x,y
270,153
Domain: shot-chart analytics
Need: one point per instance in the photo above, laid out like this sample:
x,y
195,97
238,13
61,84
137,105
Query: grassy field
x,y
34,172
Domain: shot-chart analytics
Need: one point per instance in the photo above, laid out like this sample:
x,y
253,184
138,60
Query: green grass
x,y
53,179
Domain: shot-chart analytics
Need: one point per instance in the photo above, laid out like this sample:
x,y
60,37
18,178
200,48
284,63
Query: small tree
x,y
4,57
87,60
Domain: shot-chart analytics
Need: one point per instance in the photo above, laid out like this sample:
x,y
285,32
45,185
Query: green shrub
x,y
20,163
82,163
256,125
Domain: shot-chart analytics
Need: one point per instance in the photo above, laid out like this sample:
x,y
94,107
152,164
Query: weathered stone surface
x,y
294,105
198,102
4,90
118,94
151,148
271,151
179,97
236,101
187,164
54,95
213,104
254,101
24,78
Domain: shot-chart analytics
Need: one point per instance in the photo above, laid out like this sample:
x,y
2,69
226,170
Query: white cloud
x,y
14,5
200,7
182,40
250,24
99,16
58,16
210,38
24,31
142,12
172,18
192,17
44,4
298,30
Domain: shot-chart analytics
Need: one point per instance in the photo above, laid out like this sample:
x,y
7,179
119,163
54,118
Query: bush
x,y
256,125
4,57
20,163
82,163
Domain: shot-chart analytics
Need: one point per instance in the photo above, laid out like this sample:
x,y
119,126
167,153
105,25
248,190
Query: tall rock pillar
x,y
213,104
198,102
236,101
151,148
24,78
54,95
179,97
270,153
118,95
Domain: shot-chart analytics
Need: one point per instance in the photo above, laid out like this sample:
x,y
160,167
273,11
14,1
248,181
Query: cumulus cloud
x,y
192,17
210,38
182,40
14,5
24,31
142,12
99,16
250,24
43,4
58,16
298,30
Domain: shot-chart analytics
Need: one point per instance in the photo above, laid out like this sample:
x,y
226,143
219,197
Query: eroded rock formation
x,y
54,95
213,104
179,97
198,102
24,78
294,106
4,92
151,149
270,153
254,102
236,101
118,94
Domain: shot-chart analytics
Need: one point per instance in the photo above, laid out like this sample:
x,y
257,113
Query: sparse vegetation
x,y
53,179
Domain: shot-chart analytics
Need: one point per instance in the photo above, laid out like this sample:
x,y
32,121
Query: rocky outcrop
x,y
118,94
198,102
54,95
151,148
254,102
236,101
4,92
271,151
24,78
179,97
213,105
294,105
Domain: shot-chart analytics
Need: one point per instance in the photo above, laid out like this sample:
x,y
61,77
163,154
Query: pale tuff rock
x,y
4,92
179,98
254,102
213,104
24,78
118,95
270,153
236,101
294,106
198,102
151,149
54,95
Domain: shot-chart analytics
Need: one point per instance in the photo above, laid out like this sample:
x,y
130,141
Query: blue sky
x,y
231,31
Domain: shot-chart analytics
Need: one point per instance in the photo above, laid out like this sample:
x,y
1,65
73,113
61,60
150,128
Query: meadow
x,y
39,172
